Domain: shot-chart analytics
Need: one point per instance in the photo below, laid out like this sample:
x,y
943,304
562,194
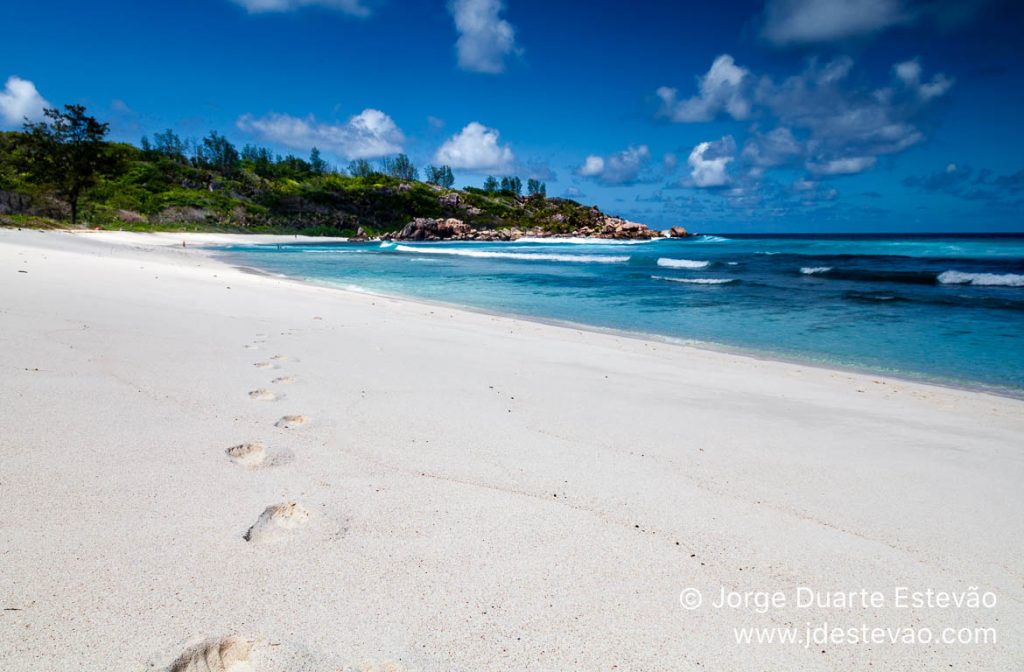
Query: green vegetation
x,y
63,170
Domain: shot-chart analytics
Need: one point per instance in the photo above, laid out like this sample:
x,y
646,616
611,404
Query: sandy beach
x,y
427,488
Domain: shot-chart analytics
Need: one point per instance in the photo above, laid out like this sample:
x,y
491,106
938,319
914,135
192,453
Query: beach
x,y
472,491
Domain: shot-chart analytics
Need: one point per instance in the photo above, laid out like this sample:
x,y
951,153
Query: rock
x,y
451,201
360,234
13,203
128,216
678,232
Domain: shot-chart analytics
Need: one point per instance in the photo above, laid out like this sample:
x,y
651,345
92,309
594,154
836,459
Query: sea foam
x,y
578,240
520,256
814,270
682,263
696,281
981,279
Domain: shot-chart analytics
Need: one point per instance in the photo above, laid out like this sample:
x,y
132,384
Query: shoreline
x,y
472,491
711,346
215,242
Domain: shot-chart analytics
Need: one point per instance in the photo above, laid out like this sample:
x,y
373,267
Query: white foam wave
x,y
814,270
982,279
711,239
578,240
682,263
520,256
695,281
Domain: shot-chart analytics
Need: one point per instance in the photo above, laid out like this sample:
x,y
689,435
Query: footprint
x,y
284,380
263,365
250,346
276,522
255,455
248,454
280,357
262,394
230,654
371,666
291,421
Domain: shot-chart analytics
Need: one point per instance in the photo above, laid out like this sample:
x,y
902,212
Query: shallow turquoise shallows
x,y
947,309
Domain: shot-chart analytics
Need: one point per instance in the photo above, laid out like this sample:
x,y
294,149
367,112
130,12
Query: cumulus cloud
x,y
778,147
485,39
368,135
822,119
19,100
811,22
353,7
721,91
847,126
814,21
476,148
849,165
622,167
709,162
909,72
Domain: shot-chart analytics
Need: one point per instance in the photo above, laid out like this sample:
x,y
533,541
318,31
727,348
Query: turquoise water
x,y
949,309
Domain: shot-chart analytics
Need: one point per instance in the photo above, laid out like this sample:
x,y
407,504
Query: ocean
x,y
946,309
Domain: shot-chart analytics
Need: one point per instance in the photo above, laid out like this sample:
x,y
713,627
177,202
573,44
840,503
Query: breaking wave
x,y
813,270
682,263
520,256
569,240
696,281
982,279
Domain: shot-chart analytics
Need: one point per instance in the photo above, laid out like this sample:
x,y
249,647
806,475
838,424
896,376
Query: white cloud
x,y
353,7
845,166
619,168
909,72
824,119
770,150
721,90
370,134
485,39
709,162
815,21
592,166
20,100
804,22
847,126
476,148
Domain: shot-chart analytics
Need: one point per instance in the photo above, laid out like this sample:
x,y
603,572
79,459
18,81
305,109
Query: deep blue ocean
x,y
944,309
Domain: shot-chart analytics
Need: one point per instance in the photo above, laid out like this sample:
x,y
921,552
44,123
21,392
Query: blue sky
x,y
775,115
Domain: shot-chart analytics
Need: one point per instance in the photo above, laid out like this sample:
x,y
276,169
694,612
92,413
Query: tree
x,y
400,167
515,185
316,163
67,152
441,176
259,159
170,145
218,153
360,168
536,188
491,184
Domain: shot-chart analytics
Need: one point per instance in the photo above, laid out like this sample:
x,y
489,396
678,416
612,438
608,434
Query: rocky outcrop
x,y
13,203
426,228
676,232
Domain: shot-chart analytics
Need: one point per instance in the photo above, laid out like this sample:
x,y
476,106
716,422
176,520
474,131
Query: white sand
x,y
483,493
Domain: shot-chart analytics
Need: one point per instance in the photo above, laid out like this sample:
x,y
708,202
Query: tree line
x,y
67,151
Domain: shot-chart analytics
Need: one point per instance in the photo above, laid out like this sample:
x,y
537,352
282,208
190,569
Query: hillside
x,y
149,190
